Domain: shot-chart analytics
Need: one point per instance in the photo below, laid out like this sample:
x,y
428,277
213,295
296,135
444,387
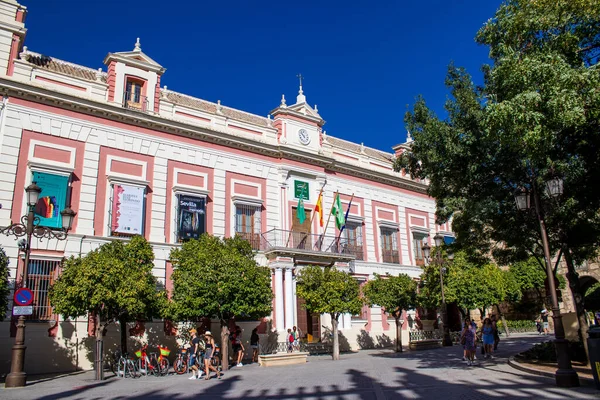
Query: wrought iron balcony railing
x,y
279,238
135,101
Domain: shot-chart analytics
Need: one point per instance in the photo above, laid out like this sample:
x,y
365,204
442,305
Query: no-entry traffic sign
x,y
23,297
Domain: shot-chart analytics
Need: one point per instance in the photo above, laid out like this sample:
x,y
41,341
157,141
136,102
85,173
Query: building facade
x,y
131,156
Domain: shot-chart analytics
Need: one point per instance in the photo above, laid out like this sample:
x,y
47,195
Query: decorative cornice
x,y
115,112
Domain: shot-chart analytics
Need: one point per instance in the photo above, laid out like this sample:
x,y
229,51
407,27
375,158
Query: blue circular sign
x,y
23,297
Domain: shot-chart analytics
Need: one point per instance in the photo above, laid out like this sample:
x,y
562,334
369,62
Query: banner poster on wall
x,y
128,210
52,199
192,215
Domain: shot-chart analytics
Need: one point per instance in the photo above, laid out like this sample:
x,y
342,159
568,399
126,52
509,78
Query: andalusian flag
x,y
300,214
319,208
338,212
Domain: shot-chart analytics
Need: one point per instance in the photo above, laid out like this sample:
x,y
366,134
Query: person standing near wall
x,y
254,343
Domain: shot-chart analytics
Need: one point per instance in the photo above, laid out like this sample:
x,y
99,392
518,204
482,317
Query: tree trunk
x,y
99,352
224,346
504,324
123,331
573,279
336,341
398,335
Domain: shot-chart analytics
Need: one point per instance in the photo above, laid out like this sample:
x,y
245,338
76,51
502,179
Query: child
x,y
290,340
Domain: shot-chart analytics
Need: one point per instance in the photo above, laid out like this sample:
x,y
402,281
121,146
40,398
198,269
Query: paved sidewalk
x,y
366,375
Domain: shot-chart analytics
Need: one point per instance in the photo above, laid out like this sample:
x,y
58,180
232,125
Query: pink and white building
x,y
130,155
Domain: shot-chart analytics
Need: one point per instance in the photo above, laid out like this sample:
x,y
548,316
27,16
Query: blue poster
x,y
52,200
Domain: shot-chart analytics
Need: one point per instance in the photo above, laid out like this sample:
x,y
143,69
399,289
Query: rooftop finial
x,y
408,137
138,46
283,105
300,98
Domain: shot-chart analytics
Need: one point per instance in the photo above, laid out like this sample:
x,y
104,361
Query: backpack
x,y
291,338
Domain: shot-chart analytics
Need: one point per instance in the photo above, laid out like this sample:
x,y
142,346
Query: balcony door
x,y
300,234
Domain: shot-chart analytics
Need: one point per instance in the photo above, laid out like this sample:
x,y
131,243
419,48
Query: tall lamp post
x,y
565,375
30,226
441,262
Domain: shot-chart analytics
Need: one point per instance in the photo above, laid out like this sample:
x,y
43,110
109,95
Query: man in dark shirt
x,y
544,318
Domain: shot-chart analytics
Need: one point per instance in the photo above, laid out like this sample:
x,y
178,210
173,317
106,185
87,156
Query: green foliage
x,y
536,117
328,291
4,284
114,281
218,278
529,274
546,352
592,298
518,325
393,293
471,285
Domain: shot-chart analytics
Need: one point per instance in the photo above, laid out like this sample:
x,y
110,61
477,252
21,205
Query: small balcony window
x,y
353,240
418,241
389,245
133,98
248,224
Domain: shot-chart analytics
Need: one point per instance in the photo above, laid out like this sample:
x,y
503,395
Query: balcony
x,y
135,101
308,244
390,256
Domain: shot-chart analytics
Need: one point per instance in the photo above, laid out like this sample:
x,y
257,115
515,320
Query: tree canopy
x,y
394,294
114,282
4,284
219,278
329,291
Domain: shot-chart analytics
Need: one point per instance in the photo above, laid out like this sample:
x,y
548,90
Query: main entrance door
x,y
308,323
300,235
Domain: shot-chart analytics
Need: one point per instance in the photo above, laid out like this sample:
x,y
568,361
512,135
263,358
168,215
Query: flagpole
x,y
315,211
329,218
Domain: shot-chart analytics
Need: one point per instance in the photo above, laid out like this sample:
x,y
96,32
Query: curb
x,y
517,365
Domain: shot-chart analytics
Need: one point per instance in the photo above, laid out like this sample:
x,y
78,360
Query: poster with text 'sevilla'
x,y
128,210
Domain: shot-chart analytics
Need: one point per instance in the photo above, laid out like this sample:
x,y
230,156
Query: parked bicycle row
x,y
200,357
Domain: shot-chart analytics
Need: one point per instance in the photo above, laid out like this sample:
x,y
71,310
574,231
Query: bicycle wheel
x,y
131,370
180,366
121,367
154,367
164,366
143,367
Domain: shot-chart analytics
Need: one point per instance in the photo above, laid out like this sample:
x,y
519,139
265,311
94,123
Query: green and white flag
x,y
338,212
300,214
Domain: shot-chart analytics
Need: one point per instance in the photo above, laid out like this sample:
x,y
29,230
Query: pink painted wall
x,y
111,80
239,128
123,167
245,190
14,51
190,180
157,94
420,215
229,208
51,153
171,165
192,116
100,214
23,170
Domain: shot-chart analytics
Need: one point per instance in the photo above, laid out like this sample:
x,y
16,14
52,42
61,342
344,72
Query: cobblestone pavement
x,y
369,374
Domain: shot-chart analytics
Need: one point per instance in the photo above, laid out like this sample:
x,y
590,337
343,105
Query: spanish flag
x,y
319,208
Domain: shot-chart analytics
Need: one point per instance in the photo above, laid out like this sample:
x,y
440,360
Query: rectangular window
x,y
353,240
133,93
40,276
191,217
52,199
389,246
127,210
418,241
248,223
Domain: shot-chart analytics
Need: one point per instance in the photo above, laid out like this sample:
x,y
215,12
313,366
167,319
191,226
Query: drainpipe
x,y
81,244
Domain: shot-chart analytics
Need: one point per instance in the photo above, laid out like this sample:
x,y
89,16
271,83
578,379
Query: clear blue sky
x,y
363,61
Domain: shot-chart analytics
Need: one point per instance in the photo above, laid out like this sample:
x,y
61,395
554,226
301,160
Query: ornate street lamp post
x,y
441,262
30,226
565,374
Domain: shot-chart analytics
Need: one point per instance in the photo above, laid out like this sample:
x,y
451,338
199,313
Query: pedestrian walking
x,y
496,333
254,343
544,318
238,347
488,338
208,355
194,349
296,338
468,341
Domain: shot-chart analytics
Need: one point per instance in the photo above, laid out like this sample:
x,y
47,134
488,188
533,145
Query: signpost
x,y
23,298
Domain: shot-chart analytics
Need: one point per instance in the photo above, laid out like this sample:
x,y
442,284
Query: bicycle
x,y
126,367
150,364
180,365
